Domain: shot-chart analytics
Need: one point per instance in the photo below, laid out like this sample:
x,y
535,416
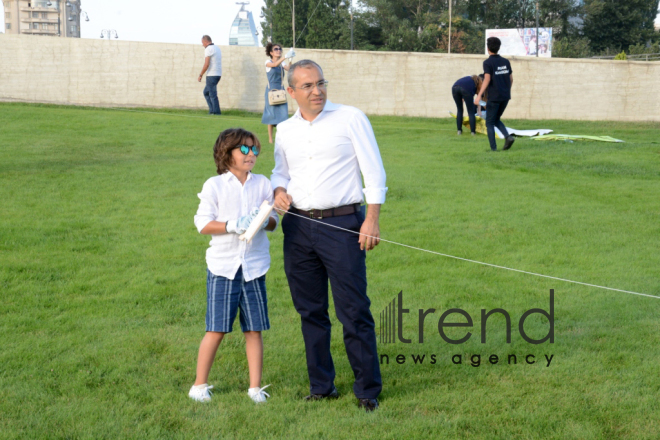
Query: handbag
x,y
276,96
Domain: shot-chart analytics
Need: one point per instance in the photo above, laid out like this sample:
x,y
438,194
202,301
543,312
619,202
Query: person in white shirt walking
x,y
321,154
213,69
236,275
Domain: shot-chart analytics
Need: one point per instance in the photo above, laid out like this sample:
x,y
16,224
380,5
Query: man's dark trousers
x,y
211,94
494,111
314,253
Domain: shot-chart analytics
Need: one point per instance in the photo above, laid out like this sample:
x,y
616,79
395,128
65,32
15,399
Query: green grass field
x,y
103,284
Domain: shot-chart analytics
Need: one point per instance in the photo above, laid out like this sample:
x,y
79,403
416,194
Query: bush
x,y
641,49
621,56
572,48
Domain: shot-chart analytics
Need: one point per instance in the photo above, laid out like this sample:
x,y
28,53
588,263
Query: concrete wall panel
x,y
137,74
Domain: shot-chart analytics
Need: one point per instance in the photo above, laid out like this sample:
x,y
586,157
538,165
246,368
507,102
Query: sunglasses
x,y
279,49
246,150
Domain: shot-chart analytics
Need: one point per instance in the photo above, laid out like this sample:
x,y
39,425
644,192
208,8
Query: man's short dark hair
x,y
207,38
306,64
493,44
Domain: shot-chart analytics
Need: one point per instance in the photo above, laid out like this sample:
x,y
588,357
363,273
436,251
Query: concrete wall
x,y
125,73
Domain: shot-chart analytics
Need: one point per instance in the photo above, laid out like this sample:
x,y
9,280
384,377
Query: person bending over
x,y
463,90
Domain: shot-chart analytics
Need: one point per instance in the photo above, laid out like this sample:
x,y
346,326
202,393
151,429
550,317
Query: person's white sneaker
x,y
201,393
258,394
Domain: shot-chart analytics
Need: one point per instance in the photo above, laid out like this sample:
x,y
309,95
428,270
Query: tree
x,y
421,25
412,25
614,25
407,25
320,24
281,14
497,14
571,47
557,14
506,14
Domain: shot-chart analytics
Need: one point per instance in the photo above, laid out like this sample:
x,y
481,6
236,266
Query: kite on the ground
x,y
481,128
537,135
575,137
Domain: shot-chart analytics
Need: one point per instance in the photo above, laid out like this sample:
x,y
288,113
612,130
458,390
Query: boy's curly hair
x,y
228,140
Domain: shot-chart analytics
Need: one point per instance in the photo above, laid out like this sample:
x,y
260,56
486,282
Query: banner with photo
x,y
522,42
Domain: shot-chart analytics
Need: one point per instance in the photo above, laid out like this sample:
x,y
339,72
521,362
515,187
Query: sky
x,y
165,21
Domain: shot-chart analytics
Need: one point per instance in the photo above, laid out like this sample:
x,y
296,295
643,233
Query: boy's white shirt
x,y
223,198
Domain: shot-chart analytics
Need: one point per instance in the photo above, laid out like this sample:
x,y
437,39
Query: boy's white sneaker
x,y
258,394
201,393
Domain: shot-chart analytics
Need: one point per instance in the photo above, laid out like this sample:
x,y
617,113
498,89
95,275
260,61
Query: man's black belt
x,y
330,212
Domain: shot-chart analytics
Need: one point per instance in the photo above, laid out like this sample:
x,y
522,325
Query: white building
x,y
243,32
57,18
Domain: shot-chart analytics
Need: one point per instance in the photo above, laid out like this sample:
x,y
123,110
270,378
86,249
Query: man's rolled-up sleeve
x,y
368,156
208,207
280,176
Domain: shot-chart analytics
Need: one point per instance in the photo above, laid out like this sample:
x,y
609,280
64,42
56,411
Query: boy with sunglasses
x,y
236,275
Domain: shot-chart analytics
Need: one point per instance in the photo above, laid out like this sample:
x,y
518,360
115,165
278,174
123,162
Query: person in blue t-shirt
x,y
498,78
464,90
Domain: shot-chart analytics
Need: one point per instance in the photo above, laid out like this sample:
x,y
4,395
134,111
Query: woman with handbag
x,y
276,109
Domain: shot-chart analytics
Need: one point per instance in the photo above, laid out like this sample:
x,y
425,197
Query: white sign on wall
x,y
522,42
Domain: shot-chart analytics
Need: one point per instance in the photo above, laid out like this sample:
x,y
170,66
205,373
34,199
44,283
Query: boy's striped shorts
x,y
225,297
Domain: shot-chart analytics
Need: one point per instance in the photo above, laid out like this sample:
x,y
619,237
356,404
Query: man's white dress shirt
x,y
223,198
215,62
319,162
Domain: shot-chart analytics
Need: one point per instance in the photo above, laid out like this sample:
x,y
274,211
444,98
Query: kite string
x,y
469,260
414,247
308,20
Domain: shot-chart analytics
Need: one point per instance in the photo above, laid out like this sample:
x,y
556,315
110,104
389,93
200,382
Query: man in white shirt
x,y
213,69
321,154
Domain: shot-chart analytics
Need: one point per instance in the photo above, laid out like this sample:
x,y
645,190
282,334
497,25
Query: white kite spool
x,y
264,212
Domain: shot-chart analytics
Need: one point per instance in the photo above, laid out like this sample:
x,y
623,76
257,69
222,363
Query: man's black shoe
x,y
368,404
334,394
509,141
